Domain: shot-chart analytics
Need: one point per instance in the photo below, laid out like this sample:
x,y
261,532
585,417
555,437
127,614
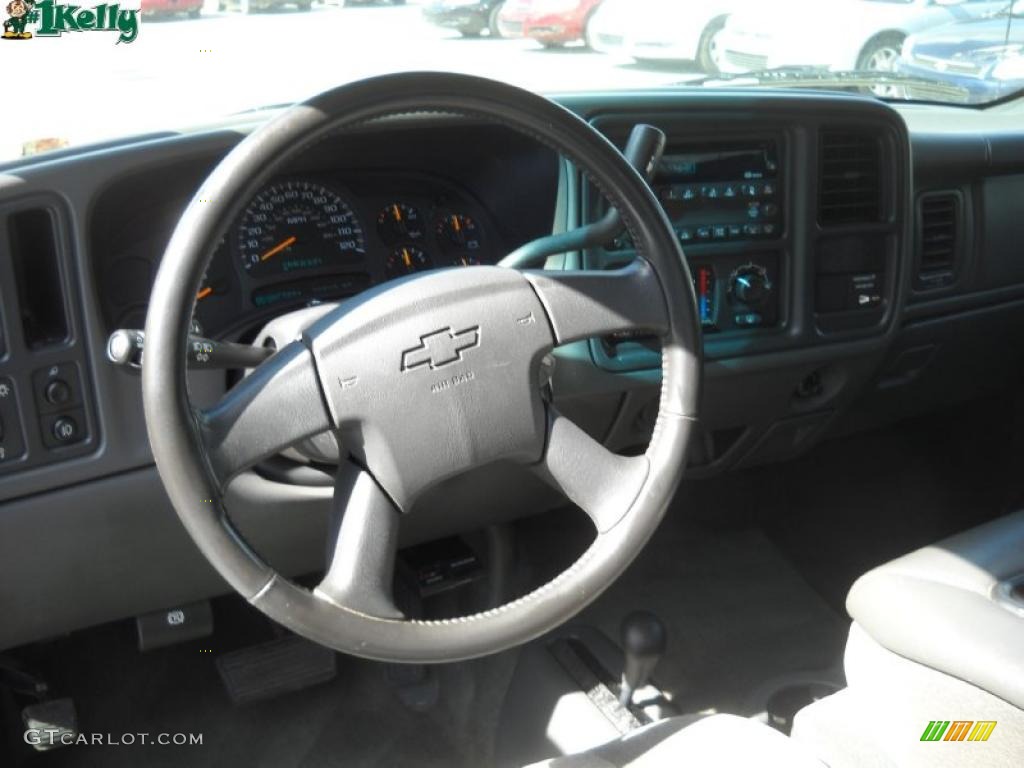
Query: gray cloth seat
x,y
938,635
949,606
717,741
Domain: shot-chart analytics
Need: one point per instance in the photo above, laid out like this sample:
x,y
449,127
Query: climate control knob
x,y
749,285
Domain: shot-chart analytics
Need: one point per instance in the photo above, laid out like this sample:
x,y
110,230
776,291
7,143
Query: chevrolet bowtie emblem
x,y
441,348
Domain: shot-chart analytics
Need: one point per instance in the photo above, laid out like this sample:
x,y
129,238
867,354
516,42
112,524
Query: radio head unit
x,y
724,190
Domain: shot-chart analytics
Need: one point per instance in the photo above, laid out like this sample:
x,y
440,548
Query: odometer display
x,y
297,226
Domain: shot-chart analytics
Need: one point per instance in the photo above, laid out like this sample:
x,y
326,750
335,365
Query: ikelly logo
x,y
441,348
56,19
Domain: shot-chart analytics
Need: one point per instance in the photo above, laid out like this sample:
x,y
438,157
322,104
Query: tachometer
x,y
297,226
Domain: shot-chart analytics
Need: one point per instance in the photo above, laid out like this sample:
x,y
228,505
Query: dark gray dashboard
x,y
898,292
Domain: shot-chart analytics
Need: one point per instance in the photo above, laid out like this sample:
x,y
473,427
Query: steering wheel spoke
x,y
275,406
584,304
365,526
602,483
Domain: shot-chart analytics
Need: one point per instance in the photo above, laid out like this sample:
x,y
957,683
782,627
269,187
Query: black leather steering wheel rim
x,y
180,438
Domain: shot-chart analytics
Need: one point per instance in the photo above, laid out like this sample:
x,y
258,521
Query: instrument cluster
x,y
307,239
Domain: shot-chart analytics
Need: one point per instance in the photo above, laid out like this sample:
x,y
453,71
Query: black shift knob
x,y
643,637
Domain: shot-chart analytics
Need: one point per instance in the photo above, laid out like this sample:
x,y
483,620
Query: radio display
x,y
721,190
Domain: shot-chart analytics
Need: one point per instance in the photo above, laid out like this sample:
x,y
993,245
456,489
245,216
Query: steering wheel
x,y
421,379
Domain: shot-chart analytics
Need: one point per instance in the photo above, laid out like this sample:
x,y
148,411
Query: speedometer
x,y
297,226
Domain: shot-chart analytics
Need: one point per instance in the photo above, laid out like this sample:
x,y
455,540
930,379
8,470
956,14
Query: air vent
x,y
849,185
938,239
37,273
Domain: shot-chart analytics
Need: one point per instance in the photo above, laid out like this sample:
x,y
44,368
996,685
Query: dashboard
x,y
853,265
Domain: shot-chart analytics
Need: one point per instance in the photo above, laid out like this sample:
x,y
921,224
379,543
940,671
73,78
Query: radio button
x,y
752,230
720,232
735,231
703,233
685,235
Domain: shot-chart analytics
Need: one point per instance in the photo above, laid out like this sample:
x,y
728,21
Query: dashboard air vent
x,y
938,238
850,181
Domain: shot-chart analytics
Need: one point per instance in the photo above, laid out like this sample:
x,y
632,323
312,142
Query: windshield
x,y
91,71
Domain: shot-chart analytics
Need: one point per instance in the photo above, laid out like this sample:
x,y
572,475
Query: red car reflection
x,y
552,23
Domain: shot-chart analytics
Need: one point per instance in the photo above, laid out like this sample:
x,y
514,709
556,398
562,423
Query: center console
x,y
727,197
723,193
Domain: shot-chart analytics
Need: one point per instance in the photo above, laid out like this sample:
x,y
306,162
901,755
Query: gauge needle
x,y
279,247
406,257
398,212
204,293
455,224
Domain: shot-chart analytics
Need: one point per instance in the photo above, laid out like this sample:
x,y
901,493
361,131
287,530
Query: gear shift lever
x,y
643,639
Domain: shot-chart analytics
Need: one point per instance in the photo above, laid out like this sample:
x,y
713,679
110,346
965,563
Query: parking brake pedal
x,y
270,669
